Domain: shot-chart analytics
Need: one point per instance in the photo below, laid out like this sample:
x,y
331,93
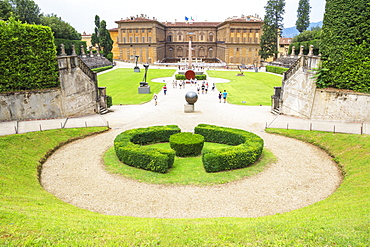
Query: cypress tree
x,y
345,45
303,15
273,23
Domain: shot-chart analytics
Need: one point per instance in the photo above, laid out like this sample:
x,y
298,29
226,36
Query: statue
x,y
137,69
144,88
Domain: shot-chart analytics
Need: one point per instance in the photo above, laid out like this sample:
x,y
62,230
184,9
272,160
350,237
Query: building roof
x,y
285,41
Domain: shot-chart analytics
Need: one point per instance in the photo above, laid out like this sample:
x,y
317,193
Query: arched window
x,y
169,37
170,52
210,37
210,52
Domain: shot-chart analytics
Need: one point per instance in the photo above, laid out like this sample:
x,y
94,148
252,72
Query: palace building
x,y
233,41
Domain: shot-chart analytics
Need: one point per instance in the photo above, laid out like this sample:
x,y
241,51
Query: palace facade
x,y
233,41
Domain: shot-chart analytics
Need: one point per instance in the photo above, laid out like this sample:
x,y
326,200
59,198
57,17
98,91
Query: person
x,y
220,96
165,89
155,97
213,87
203,87
224,95
198,88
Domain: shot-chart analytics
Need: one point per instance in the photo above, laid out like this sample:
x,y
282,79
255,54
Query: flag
x,y
186,18
191,18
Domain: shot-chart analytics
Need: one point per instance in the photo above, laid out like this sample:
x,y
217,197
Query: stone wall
x,y
300,97
77,95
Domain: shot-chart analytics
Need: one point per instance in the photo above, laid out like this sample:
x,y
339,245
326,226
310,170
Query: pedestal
x,y
136,69
144,90
188,108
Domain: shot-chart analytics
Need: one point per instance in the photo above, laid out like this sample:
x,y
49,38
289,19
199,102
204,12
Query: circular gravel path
x,y
303,174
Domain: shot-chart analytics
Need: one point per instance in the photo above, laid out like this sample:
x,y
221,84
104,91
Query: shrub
x,y
28,57
97,70
247,148
276,70
129,150
198,77
187,144
109,101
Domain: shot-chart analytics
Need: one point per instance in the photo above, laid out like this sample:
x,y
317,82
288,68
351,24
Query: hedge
x,y
97,70
198,77
247,148
187,144
68,46
129,150
28,57
276,70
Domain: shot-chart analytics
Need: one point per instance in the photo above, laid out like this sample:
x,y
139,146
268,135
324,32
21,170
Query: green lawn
x,y
252,88
187,170
122,84
30,216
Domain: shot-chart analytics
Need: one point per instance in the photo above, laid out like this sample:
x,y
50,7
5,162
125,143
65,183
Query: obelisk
x,y
190,59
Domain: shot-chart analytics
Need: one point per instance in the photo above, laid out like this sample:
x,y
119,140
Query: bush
x,y
276,70
198,77
97,70
187,144
109,101
129,150
247,148
28,57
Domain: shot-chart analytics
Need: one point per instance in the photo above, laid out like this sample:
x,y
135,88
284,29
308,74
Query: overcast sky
x,y
81,13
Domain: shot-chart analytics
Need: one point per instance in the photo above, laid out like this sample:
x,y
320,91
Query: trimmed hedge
x,y
187,144
28,57
129,150
198,77
276,70
247,148
97,70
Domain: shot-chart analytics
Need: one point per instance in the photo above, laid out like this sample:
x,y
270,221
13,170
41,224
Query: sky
x,y
81,13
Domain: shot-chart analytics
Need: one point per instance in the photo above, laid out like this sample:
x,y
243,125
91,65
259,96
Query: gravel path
x,y
302,175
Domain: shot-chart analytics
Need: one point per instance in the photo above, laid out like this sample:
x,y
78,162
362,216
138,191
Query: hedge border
x,y
246,150
129,150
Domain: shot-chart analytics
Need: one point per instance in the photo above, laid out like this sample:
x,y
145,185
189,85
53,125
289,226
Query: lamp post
x,y
136,69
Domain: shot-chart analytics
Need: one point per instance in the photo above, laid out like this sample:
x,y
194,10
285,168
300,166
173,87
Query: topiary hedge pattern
x,y
187,144
129,150
247,148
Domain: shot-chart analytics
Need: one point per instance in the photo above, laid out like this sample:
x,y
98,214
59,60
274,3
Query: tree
x,y
307,38
272,24
27,11
345,45
105,39
101,37
5,10
95,35
303,15
60,28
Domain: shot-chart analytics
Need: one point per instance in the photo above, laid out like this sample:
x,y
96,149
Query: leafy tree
x,y
5,10
273,23
105,39
101,37
345,45
303,15
26,11
60,28
95,35
307,38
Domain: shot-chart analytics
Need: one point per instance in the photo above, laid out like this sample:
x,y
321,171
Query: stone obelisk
x,y
190,58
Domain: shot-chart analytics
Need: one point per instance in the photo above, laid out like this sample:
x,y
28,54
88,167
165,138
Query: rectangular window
x,y
130,39
137,39
143,39
150,39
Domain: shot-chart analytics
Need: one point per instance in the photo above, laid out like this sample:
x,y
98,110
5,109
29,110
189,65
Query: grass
x,y
188,170
30,216
252,88
122,84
